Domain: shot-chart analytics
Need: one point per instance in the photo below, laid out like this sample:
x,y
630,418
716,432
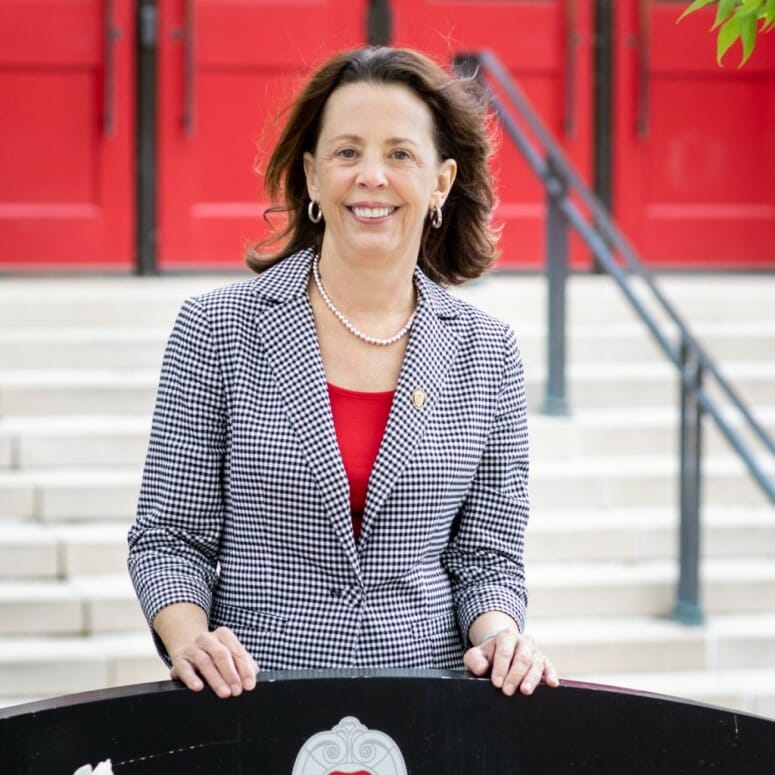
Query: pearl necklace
x,y
347,324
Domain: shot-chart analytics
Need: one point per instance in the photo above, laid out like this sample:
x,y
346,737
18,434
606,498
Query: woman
x,y
337,472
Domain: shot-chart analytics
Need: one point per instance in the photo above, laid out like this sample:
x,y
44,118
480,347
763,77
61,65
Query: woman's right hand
x,y
220,660
200,657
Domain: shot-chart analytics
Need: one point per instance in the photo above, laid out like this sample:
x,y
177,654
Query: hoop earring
x,y
436,217
314,216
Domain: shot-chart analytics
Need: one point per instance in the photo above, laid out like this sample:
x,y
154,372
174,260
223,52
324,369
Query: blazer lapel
x,y
432,349
287,332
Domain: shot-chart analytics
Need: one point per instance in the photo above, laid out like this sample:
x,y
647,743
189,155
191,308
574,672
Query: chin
x,y
378,248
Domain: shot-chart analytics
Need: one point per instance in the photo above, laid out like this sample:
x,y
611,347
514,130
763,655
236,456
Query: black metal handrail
x,y
698,374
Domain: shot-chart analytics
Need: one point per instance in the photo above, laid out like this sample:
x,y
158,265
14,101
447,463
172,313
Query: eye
x,y
347,153
401,155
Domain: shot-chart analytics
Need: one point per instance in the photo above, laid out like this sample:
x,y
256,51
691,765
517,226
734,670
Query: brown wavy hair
x,y
466,244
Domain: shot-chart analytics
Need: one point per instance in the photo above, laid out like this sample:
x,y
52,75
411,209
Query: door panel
x,y
693,162
247,59
547,47
694,159
66,184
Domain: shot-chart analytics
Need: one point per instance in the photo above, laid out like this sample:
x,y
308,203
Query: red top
x,y
359,420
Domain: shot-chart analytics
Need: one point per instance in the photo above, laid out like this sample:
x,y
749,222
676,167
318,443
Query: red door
x,y
547,47
226,68
694,160
66,136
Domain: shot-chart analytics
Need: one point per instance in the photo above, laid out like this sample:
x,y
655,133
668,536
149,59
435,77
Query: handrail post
x,y
687,607
555,402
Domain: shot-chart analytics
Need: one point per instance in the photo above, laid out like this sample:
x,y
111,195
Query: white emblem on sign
x,y
350,748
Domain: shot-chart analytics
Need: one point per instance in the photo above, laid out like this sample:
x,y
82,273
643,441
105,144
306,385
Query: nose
x,y
371,172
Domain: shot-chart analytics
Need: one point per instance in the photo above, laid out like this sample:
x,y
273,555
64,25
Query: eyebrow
x,y
389,141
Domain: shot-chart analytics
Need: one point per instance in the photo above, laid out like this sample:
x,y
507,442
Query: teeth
x,y
372,212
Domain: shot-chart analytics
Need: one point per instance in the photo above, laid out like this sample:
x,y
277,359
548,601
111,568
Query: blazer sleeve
x,y
485,557
173,545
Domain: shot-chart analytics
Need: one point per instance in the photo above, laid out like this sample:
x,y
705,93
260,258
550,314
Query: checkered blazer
x,y
244,508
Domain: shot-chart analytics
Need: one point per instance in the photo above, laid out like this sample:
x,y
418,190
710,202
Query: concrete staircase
x,y
79,362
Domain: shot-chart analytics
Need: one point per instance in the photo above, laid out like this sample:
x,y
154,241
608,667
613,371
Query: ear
x,y
444,180
312,178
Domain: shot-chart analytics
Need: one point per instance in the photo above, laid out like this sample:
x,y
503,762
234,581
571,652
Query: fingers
x,y
476,660
247,668
550,674
526,669
183,671
517,663
218,659
507,660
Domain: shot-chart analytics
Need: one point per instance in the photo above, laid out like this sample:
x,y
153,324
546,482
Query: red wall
x,y
692,150
67,186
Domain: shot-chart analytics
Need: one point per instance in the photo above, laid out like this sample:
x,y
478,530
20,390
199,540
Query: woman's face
x,y
376,172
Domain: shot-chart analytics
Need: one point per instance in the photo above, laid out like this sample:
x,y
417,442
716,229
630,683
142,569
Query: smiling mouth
x,y
372,212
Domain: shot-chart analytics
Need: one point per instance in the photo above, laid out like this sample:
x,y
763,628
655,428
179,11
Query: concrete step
x,y
648,588
595,299
106,602
28,552
636,481
79,301
101,392
75,348
79,441
82,391
121,441
749,691
643,653
77,495
627,535
587,648
7,451
55,551
133,348
654,384
601,546
81,605
51,551
93,495
631,535
591,432
107,392
47,667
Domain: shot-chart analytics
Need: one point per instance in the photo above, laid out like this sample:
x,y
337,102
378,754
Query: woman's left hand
x,y
513,660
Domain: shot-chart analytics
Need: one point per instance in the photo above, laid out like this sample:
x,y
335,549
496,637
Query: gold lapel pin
x,y
418,398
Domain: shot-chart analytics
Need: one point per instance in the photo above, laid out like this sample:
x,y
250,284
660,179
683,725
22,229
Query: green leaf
x,y
695,6
727,35
769,15
725,9
747,34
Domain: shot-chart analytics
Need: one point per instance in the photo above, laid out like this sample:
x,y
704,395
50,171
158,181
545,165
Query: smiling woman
x,y
337,472
376,174
451,114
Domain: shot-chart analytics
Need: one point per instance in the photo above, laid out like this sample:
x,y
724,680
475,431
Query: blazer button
x,y
335,592
351,595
